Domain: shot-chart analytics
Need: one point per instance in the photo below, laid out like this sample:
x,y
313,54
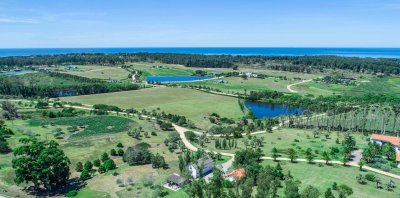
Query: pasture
x,y
99,72
240,85
193,104
324,176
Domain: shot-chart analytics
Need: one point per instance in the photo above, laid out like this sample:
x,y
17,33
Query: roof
x,y
207,162
238,173
386,138
175,178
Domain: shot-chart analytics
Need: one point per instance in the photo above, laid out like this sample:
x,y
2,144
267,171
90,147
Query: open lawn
x,y
300,140
238,84
99,72
374,85
323,178
195,105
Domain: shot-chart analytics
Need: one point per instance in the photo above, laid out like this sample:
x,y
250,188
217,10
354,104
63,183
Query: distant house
x,y
205,165
346,79
381,139
113,81
157,66
175,181
220,81
249,75
236,175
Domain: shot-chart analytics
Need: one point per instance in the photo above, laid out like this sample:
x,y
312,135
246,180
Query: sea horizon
x,y
363,52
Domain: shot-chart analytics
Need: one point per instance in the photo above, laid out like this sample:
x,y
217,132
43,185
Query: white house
x,y
206,164
395,141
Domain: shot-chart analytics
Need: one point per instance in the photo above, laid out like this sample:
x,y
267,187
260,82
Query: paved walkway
x,y
289,87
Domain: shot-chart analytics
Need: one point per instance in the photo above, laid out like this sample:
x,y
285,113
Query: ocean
x,y
245,51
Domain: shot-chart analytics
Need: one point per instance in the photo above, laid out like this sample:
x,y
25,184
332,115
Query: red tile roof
x,y
238,173
386,138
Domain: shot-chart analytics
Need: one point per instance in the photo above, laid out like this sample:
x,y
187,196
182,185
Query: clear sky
x,y
199,23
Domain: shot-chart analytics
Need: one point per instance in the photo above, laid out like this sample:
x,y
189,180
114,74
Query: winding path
x,y
289,87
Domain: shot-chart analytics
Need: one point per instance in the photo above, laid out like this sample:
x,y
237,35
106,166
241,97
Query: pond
x,y
13,73
268,110
168,79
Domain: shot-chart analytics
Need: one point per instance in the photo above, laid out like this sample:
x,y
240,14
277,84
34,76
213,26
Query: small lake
x,y
268,110
13,73
167,79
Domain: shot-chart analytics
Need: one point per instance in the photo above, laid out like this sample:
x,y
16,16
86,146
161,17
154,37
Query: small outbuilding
x,y
175,181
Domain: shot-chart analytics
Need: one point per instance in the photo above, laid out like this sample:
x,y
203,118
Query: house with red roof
x,y
236,175
381,139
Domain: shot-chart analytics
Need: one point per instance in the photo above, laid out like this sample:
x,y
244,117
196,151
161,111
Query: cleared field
x,y
195,105
323,178
238,84
99,72
371,85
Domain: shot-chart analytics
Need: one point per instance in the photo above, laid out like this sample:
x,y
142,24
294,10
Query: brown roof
x,y
238,173
386,138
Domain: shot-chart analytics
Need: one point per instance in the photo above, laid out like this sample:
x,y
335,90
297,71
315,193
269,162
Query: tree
x,y
102,169
158,161
104,157
109,164
217,183
88,165
310,192
10,111
389,151
346,190
292,154
329,194
97,163
78,167
264,181
292,189
345,159
247,187
85,174
361,164
113,152
137,155
181,163
119,145
41,163
120,152
309,155
275,153
326,157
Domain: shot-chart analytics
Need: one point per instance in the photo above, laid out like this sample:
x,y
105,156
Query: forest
x,y
50,84
304,64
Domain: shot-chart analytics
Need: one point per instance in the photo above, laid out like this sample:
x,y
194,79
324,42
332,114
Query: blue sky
x,y
199,23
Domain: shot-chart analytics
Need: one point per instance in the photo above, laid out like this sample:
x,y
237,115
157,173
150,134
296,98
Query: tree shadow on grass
x,y
73,184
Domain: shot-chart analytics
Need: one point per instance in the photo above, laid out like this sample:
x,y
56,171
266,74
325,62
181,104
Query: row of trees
x,y
286,63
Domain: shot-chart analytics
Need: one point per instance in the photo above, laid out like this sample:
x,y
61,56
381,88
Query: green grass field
x,y
195,105
323,178
238,84
99,72
373,85
298,139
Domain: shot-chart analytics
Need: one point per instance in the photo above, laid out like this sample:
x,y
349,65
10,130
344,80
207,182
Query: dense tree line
x,y
17,85
284,63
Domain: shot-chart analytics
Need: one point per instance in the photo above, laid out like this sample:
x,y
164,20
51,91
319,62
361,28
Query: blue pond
x,y
267,110
166,79
13,73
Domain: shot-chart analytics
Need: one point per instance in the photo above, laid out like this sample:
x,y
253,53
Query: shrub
x,y
227,184
102,169
370,177
153,133
119,145
85,175
96,162
113,152
79,167
120,152
71,193
109,164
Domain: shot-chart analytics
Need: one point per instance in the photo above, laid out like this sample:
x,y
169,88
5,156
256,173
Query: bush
x,y
370,177
113,152
71,193
227,184
85,175
97,162
109,165
119,145
153,133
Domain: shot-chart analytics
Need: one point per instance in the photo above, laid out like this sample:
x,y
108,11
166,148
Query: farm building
x,y
207,165
175,181
395,141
